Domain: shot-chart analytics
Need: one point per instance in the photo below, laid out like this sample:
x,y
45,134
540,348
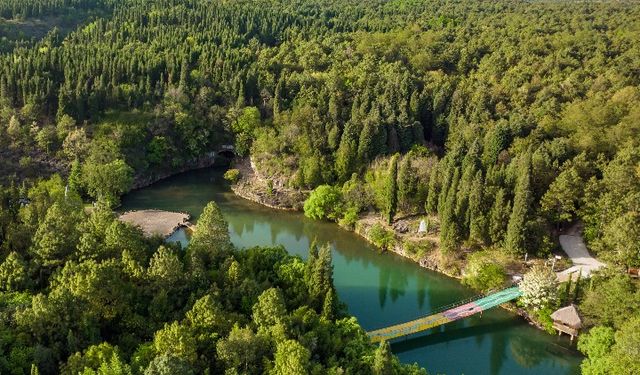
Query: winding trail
x,y
583,263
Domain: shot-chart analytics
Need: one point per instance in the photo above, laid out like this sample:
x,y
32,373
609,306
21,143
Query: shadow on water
x,y
428,338
379,289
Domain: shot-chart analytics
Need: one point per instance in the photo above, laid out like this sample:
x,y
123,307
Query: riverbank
x,y
142,181
401,237
262,190
379,289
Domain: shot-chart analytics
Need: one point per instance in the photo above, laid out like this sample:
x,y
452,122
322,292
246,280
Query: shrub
x,y
539,288
482,273
381,237
232,175
417,249
349,219
325,202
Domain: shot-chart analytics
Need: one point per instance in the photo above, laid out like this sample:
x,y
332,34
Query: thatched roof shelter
x,y
567,316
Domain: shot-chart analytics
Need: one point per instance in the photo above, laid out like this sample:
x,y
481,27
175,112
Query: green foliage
x,y
291,358
90,359
177,341
232,175
242,351
244,128
391,190
519,123
539,288
381,237
324,202
106,182
13,273
167,364
483,273
210,241
611,352
611,300
515,240
561,200
543,317
382,361
349,219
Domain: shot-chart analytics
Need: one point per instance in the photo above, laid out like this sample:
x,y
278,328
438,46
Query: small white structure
x,y
423,227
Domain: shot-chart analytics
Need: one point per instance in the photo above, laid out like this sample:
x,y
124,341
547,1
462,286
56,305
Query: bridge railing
x,y
456,304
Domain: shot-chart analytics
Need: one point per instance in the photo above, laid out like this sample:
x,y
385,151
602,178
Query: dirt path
x,y
573,244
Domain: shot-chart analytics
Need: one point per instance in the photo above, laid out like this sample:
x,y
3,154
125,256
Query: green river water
x,y
379,289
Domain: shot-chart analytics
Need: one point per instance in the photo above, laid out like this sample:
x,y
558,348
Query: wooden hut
x,y
567,320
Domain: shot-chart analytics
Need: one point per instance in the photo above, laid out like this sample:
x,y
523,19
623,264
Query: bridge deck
x,y
447,316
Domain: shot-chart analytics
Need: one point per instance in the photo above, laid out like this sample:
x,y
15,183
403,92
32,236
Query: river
x,y
379,289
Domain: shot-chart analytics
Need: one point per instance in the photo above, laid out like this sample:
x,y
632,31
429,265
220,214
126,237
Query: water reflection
x,y
379,289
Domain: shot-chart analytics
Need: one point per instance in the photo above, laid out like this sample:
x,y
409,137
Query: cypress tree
x,y
515,238
447,170
431,205
321,280
391,189
347,151
329,305
382,361
462,198
407,182
310,264
499,217
74,181
477,220
449,232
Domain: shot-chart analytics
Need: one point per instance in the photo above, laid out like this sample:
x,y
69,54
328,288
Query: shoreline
x,y
244,189
143,181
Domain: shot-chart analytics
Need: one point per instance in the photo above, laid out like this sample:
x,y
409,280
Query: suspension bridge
x,y
447,314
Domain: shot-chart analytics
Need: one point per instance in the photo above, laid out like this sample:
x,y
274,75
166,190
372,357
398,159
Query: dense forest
x,y
503,122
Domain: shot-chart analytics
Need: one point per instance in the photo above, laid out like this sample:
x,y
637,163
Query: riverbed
x,y
379,289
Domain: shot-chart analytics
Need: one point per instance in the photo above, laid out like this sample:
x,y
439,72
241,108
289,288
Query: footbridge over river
x,y
451,313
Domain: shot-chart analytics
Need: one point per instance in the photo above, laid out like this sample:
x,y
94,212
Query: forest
x,y
503,122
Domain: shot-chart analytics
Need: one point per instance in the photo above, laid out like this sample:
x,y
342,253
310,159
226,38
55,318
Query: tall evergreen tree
x,y
407,183
321,280
499,217
431,205
391,189
382,361
449,231
516,229
477,216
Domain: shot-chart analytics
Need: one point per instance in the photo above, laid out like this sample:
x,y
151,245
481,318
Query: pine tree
x,y
515,237
447,170
329,305
449,231
240,100
347,151
462,199
310,264
478,219
391,189
499,217
431,205
75,176
407,183
321,280
382,360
